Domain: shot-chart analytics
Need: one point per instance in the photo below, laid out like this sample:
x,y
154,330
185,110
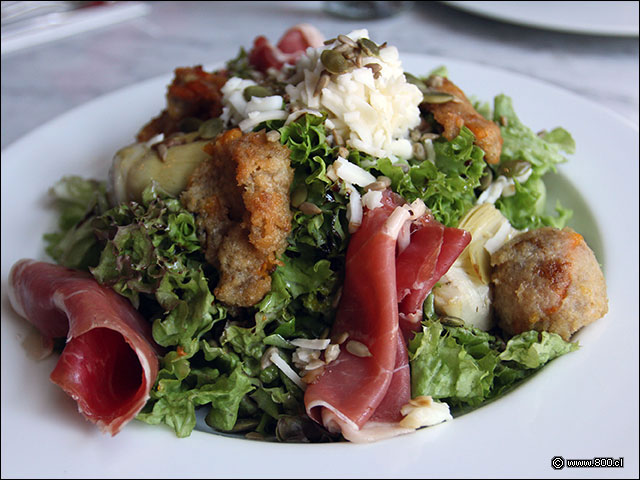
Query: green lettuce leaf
x,y
466,366
447,185
526,209
77,200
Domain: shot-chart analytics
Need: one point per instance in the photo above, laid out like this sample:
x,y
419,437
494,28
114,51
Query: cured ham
x,y
109,362
290,47
433,248
368,313
362,392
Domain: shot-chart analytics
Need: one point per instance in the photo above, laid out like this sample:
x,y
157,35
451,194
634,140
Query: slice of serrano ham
x,y
352,386
290,47
109,363
362,392
432,250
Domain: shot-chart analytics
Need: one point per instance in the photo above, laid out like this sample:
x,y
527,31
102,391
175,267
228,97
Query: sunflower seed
x,y
374,67
323,81
273,136
314,364
343,152
429,136
309,208
435,81
313,375
340,339
163,151
342,48
331,353
421,401
358,349
346,40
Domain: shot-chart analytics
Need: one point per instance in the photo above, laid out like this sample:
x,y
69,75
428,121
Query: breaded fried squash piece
x,y
460,112
241,201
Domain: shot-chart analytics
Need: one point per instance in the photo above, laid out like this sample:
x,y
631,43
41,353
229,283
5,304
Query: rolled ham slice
x,y
109,363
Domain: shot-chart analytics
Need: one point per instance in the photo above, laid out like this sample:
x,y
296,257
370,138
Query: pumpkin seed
x,y
452,321
334,62
256,91
298,196
245,425
211,128
486,179
515,168
369,47
434,96
189,124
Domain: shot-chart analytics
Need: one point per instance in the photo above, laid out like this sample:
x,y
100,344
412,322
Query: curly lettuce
x,y
465,366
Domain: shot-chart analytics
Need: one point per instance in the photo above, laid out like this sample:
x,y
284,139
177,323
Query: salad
x,y
310,245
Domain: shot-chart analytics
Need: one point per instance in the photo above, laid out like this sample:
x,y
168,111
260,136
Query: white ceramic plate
x,y
596,18
584,405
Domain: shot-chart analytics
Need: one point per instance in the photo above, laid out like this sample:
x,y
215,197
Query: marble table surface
x,y
41,82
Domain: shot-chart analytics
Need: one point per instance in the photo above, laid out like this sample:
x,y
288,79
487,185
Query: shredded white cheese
x,y
279,362
249,114
372,199
424,412
349,172
373,115
313,344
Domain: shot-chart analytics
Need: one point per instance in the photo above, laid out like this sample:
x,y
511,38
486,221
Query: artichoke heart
x,y
489,230
135,166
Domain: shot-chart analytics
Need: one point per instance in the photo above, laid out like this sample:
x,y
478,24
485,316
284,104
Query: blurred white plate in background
x,y
598,18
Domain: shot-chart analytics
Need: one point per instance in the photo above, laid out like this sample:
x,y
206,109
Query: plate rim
x,y
152,433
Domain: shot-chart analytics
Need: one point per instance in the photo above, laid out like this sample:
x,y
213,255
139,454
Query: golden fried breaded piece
x,y
460,112
192,93
547,279
241,201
